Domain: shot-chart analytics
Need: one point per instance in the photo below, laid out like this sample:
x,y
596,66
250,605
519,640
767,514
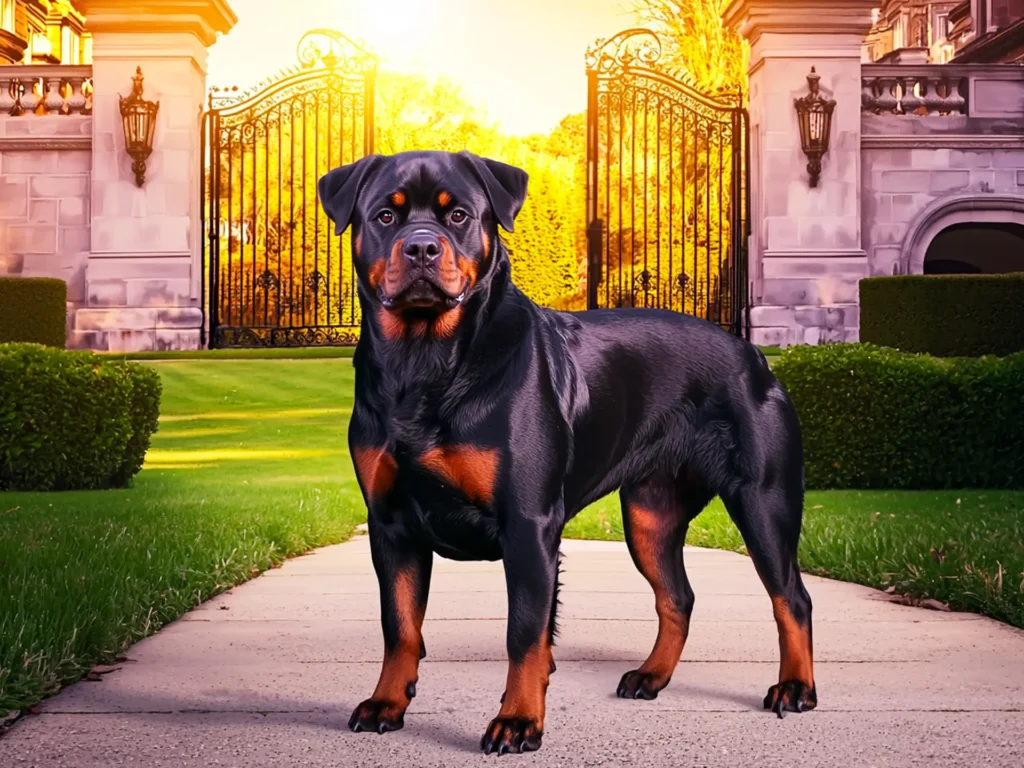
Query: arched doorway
x,y
974,249
972,233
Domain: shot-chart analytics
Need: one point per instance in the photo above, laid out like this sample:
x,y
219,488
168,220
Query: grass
x,y
962,548
250,467
296,353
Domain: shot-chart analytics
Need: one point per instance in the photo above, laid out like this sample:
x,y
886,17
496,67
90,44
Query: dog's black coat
x,y
483,423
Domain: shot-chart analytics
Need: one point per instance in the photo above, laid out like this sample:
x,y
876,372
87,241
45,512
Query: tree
x,y
697,44
413,112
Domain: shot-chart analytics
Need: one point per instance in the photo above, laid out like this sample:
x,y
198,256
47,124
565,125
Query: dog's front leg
x,y
531,572
403,571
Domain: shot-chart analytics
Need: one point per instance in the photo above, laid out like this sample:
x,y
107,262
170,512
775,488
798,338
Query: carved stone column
x,y
806,256
145,271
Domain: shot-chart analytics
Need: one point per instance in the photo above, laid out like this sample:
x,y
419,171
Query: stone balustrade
x,y
899,89
987,91
45,90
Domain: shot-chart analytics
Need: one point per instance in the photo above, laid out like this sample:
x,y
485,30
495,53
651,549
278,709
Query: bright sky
x,y
521,60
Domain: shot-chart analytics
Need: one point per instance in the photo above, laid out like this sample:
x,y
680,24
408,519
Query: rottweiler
x,y
483,423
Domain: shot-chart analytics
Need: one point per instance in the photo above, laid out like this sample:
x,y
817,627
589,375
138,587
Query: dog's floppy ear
x,y
339,189
505,185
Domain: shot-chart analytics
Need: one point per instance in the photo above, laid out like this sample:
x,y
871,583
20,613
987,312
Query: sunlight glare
x,y
156,457
404,32
520,62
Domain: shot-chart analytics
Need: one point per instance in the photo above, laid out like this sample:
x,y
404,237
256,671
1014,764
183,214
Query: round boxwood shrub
x,y
33,309
72,420
874,417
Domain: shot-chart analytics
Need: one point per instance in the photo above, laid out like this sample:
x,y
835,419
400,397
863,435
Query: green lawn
x,y
962,548
270,353
250,466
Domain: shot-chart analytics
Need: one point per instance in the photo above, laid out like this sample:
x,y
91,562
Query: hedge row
x,y
33,309
944,315
72,420
873,417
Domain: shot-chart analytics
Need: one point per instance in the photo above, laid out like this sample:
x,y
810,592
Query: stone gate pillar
x,y
806,256
144,274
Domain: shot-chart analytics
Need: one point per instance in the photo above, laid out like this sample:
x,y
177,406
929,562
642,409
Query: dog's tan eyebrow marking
x,y
398,198
444,198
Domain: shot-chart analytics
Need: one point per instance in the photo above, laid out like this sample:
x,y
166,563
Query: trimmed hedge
x,y
33,309
874,417
944,315
72,420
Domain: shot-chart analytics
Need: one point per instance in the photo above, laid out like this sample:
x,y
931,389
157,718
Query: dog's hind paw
x,y
639,685
511,734
790,696
377,716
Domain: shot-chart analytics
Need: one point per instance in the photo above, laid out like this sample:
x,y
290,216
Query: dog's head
x,y
424,229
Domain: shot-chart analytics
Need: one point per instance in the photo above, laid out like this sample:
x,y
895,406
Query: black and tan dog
x,y
483,423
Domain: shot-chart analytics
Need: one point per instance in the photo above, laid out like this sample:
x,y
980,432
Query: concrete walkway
x,y
268,674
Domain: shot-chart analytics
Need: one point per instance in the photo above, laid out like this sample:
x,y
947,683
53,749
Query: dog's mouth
x,y
421,293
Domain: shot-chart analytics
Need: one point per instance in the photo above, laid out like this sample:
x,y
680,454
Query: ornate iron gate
x,y
667,192
277,274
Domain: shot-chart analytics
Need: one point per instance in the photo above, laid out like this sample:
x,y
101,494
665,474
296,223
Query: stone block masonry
x,y
900,186
45,179
69,204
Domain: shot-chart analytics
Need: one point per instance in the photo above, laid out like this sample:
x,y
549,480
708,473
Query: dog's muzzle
x,y
424,267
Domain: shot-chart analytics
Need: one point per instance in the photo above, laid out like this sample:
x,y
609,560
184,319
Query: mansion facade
x,y
42,32
947,31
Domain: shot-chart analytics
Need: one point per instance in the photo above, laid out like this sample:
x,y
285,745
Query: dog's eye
x,y
458,216
385,217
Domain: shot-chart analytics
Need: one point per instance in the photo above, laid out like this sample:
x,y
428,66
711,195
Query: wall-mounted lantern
x,y
815,115
138,117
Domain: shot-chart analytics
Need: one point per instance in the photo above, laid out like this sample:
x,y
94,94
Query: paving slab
x,y
267,674
317,642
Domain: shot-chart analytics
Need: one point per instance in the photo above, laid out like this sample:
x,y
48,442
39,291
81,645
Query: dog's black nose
x,y
422,247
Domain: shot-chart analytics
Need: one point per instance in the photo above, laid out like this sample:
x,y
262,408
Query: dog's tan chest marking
x,y
471,469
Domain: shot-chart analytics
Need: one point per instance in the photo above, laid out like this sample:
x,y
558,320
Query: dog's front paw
x,y
640,685
511,734
790,696
378,716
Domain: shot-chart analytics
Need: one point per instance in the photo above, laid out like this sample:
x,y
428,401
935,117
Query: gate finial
x,y
637,46
335,51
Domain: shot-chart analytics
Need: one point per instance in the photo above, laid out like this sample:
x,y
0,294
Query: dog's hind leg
x,y
768,512
655,515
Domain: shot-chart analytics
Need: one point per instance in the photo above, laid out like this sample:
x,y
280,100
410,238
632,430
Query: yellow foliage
x,y
696,43
548,246
281,264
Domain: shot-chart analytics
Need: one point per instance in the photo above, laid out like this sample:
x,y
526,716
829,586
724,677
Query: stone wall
x,y
144,279
961,162
938,146
45,174
70,205
805,255
902,183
